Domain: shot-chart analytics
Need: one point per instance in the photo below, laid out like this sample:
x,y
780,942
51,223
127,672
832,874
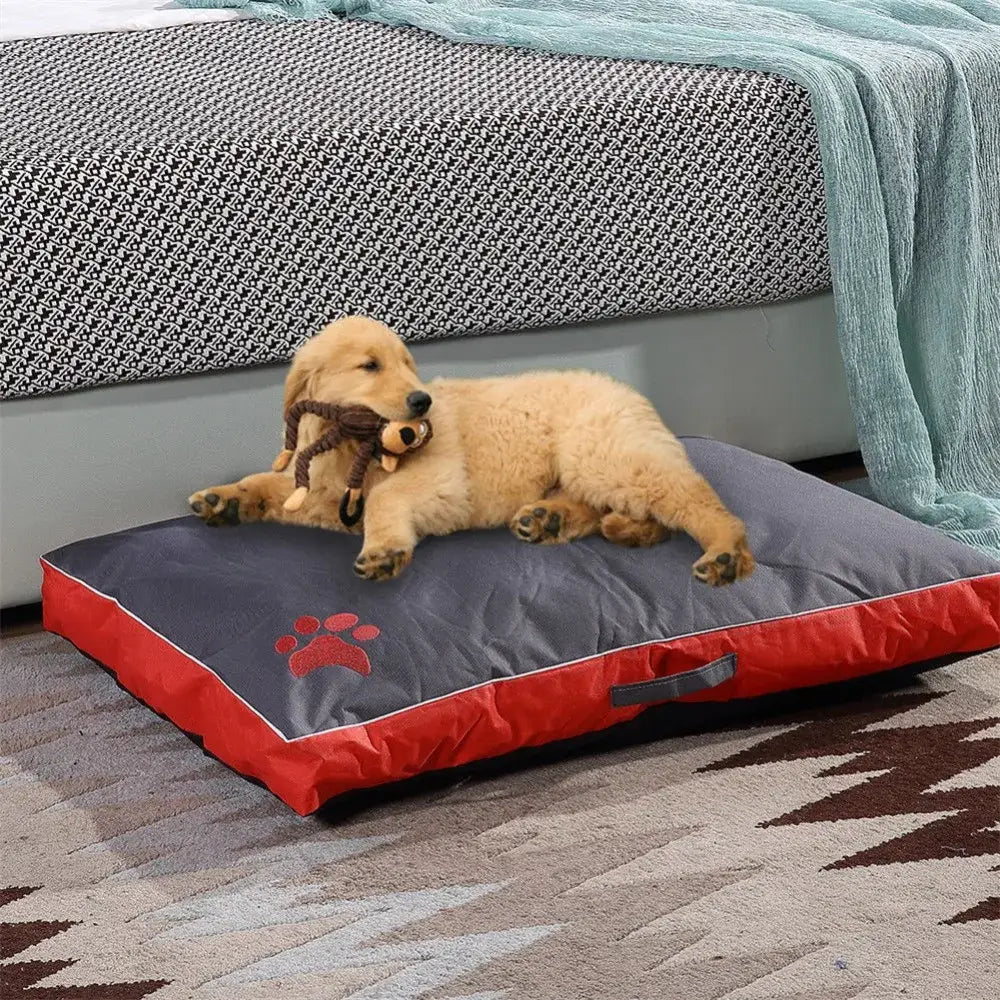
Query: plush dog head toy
x,y
378,438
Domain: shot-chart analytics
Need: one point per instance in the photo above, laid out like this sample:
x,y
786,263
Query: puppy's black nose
x,y
419,403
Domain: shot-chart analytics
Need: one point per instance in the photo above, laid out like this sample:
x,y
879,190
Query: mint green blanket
x,y
906,95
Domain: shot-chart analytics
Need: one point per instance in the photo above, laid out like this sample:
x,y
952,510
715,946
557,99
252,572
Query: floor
x,y
841,846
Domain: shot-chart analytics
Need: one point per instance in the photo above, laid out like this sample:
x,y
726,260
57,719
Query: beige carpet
x,y
849,850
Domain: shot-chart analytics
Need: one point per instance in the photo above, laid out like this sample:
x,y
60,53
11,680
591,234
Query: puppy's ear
x,y
297,380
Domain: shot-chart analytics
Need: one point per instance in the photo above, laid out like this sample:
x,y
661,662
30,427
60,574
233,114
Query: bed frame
x,y
86,463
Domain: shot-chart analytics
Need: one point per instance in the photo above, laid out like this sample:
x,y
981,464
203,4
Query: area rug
x,y
848,848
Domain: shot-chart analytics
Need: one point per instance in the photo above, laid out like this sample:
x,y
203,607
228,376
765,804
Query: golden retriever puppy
x,y
554,455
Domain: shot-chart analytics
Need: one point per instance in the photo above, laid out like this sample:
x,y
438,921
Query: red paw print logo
x,y
328,649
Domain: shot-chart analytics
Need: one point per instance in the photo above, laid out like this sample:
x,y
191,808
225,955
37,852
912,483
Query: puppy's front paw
x,y
382,564
539,524
717,568
220,505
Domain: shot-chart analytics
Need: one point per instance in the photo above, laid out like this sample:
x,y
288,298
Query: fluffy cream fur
x,y
554,455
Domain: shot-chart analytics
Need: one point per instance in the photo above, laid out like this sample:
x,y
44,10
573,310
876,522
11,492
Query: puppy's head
x,y
358,360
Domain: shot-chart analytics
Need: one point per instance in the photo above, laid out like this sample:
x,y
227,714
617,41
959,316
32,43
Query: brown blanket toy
x,y
377,437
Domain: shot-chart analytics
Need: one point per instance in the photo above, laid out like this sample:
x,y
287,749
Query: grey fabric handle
x,y
664,688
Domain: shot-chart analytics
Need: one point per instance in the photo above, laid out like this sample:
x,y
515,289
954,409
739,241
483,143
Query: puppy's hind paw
x,y
718,568
539,523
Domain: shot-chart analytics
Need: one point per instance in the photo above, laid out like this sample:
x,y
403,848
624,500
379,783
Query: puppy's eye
x,y
370,366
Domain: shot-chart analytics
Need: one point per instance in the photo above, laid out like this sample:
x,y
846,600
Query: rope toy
x,y
378,438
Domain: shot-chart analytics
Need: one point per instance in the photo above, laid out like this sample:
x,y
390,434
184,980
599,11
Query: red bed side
x,y
831,644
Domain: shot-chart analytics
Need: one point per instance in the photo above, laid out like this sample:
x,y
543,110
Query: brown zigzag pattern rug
x,y
845,849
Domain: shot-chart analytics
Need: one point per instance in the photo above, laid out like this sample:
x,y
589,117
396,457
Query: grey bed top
x,y
205,197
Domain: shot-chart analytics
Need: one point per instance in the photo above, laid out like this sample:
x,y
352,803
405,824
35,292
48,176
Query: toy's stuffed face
x,y
400,436
358,361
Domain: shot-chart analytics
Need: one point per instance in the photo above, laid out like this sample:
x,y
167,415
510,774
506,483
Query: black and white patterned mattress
x,y
205,197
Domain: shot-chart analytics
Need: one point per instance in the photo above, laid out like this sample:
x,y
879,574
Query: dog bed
x,y
260,640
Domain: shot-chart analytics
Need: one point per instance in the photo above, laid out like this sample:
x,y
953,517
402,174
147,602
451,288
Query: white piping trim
x,y
514,677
